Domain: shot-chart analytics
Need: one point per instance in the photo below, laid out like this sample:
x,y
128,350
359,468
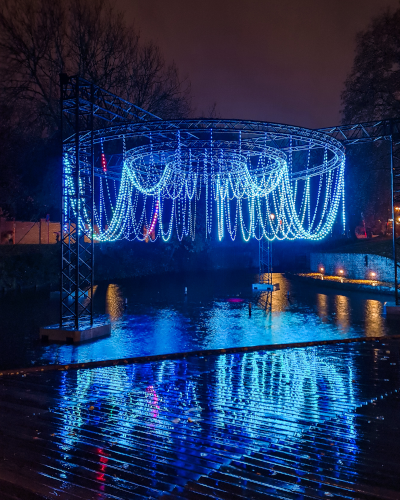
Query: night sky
x,y
272,60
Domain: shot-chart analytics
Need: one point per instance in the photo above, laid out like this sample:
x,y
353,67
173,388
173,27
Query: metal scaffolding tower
x,y
265,261
84,108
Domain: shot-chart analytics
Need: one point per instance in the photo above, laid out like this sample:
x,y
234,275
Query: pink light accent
x,y
103,162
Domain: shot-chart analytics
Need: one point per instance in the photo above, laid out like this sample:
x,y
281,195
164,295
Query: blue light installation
x,y
238,173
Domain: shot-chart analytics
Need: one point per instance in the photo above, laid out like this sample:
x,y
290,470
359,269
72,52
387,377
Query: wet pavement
x,y
161,319
298,423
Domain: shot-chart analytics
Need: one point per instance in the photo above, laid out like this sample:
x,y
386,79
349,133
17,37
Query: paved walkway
x,y
297,423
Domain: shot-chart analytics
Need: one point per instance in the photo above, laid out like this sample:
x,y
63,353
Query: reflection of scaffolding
x,y
264,286
265,273
264,283
264,301
265,261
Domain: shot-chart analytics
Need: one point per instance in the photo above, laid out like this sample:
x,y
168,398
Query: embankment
x,y
28,266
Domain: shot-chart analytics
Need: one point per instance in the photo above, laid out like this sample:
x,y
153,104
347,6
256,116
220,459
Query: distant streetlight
x,y
272,216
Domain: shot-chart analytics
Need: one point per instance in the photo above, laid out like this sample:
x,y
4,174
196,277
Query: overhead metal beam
x,y
102,104
98,114
363,132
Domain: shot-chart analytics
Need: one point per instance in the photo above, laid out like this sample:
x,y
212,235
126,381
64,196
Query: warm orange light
x,y
341,271
321,269
373,274
272,216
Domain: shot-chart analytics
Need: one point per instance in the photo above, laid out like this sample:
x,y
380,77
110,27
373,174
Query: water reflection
x,y
87,295
374,322
214,314
342,311
175,322
322,306
188,407
264,301
114,302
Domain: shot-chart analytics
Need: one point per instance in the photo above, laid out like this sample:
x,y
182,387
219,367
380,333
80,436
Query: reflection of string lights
x,y
245,184
103,465
252,399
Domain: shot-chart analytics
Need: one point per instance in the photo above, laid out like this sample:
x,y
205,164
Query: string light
x,y
276,185
103,158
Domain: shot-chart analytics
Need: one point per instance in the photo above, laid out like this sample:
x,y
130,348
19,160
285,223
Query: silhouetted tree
x,y
372,92
372,89
41,38
367,178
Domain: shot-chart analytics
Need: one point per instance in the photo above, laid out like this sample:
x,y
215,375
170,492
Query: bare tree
x,y
372,89
41,38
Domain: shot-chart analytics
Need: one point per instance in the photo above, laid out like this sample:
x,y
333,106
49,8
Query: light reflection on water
x,y
322,306
160,318
374,321
157,322
114,301
184,418
342,311
275,391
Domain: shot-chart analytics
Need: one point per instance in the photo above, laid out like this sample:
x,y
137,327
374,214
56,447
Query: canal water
x,y
160,318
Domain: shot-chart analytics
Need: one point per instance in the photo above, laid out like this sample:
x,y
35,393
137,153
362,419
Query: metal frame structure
x,y
83,108
264,297
265,261
77,251
386,130
90,114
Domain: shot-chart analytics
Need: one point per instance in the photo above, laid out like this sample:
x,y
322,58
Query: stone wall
x,y
353,265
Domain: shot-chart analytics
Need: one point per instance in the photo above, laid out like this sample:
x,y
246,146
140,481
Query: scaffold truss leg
x,y
395,178
77,240
265,261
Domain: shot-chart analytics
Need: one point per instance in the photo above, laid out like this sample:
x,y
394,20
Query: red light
x,y
103,162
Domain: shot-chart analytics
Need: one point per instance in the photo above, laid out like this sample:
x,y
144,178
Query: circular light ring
x,y
232,159
250,135
249,129
183,156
